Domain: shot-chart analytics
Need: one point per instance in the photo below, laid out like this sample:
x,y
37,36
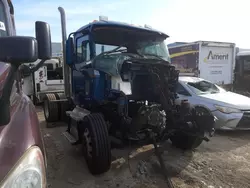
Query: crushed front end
x,y
142,99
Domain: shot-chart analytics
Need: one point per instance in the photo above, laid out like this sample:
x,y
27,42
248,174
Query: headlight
x,y
227,110
29,172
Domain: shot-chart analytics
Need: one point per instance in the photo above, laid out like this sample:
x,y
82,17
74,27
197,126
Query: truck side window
x,y
181,90
83,49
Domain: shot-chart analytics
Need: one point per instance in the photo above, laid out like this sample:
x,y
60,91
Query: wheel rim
x,y
201,111
46,109
87,142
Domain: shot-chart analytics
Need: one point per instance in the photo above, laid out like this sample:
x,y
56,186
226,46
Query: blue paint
x,y
100,84
91,26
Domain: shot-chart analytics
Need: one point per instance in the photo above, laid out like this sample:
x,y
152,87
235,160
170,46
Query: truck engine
x,y
143,97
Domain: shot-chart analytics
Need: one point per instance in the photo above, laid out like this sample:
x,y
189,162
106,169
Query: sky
x,y
182,20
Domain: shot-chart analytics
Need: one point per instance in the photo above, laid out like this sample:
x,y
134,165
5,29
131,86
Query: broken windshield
x,y
153,49
148,49
2,20
111,63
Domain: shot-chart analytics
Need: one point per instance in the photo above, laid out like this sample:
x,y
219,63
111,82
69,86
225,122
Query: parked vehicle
x,y
39,79
242,72
213,61
22,152
116,88
231,110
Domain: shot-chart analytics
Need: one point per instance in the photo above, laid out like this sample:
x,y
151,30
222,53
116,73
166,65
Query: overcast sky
x,y
182,20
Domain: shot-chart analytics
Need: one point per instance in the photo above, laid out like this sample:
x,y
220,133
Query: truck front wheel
x,y
186,142
96,144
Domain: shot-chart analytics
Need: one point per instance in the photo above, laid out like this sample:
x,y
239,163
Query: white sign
x,y
2,26
216,64
216,57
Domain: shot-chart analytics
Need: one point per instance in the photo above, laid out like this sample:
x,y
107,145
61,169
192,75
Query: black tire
x,y
50,108
186,142
99,160
203,118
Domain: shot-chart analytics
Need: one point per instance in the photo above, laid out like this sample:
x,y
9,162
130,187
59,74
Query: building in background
x,y
56,49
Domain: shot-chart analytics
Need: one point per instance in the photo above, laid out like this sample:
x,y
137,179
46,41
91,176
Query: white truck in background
x,y
40,80
213,61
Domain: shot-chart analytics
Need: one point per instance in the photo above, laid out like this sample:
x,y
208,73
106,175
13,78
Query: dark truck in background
x,y
242,72
22,152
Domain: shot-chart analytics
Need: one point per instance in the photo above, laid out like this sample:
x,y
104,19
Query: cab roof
x,y
119,34
96,25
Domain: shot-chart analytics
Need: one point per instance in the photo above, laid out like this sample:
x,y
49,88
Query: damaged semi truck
x,y
119,88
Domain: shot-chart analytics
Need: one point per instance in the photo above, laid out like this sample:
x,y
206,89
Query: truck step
x,y
69,137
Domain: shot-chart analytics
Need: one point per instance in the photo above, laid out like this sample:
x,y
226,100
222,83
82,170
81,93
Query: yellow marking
x,y
183,53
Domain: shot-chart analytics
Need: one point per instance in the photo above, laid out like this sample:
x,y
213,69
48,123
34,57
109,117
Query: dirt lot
x,y
223,162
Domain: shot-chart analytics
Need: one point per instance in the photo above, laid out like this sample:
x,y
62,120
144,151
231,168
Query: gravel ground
x,y
224,162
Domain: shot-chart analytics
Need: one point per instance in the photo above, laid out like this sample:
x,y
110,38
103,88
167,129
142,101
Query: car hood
x,y
229,99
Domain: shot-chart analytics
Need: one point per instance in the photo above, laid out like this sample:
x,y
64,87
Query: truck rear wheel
x,y
186,142
50,108
96,144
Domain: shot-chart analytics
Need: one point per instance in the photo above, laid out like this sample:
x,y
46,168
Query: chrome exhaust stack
x,y
66,68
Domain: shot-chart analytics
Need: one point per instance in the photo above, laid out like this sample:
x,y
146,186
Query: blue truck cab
x,y
97,37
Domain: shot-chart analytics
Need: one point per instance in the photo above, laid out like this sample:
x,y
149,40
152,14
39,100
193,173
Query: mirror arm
x,y
5,98
39,65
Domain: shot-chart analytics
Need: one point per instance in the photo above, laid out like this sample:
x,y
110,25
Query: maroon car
x,y
22,154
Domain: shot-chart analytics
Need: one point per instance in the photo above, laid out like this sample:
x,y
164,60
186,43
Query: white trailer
x,y
40,79
213,61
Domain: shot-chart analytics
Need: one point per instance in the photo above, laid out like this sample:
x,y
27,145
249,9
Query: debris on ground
x,y
224,162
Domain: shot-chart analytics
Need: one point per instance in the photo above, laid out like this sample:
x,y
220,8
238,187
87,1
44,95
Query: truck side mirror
x,y
17,50
14,50
43,37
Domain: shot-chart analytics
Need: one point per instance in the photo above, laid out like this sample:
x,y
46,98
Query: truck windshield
x,y
2,20
153,48
144,48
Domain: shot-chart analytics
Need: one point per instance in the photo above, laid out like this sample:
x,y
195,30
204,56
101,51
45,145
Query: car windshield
x,y
204,87
3,31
